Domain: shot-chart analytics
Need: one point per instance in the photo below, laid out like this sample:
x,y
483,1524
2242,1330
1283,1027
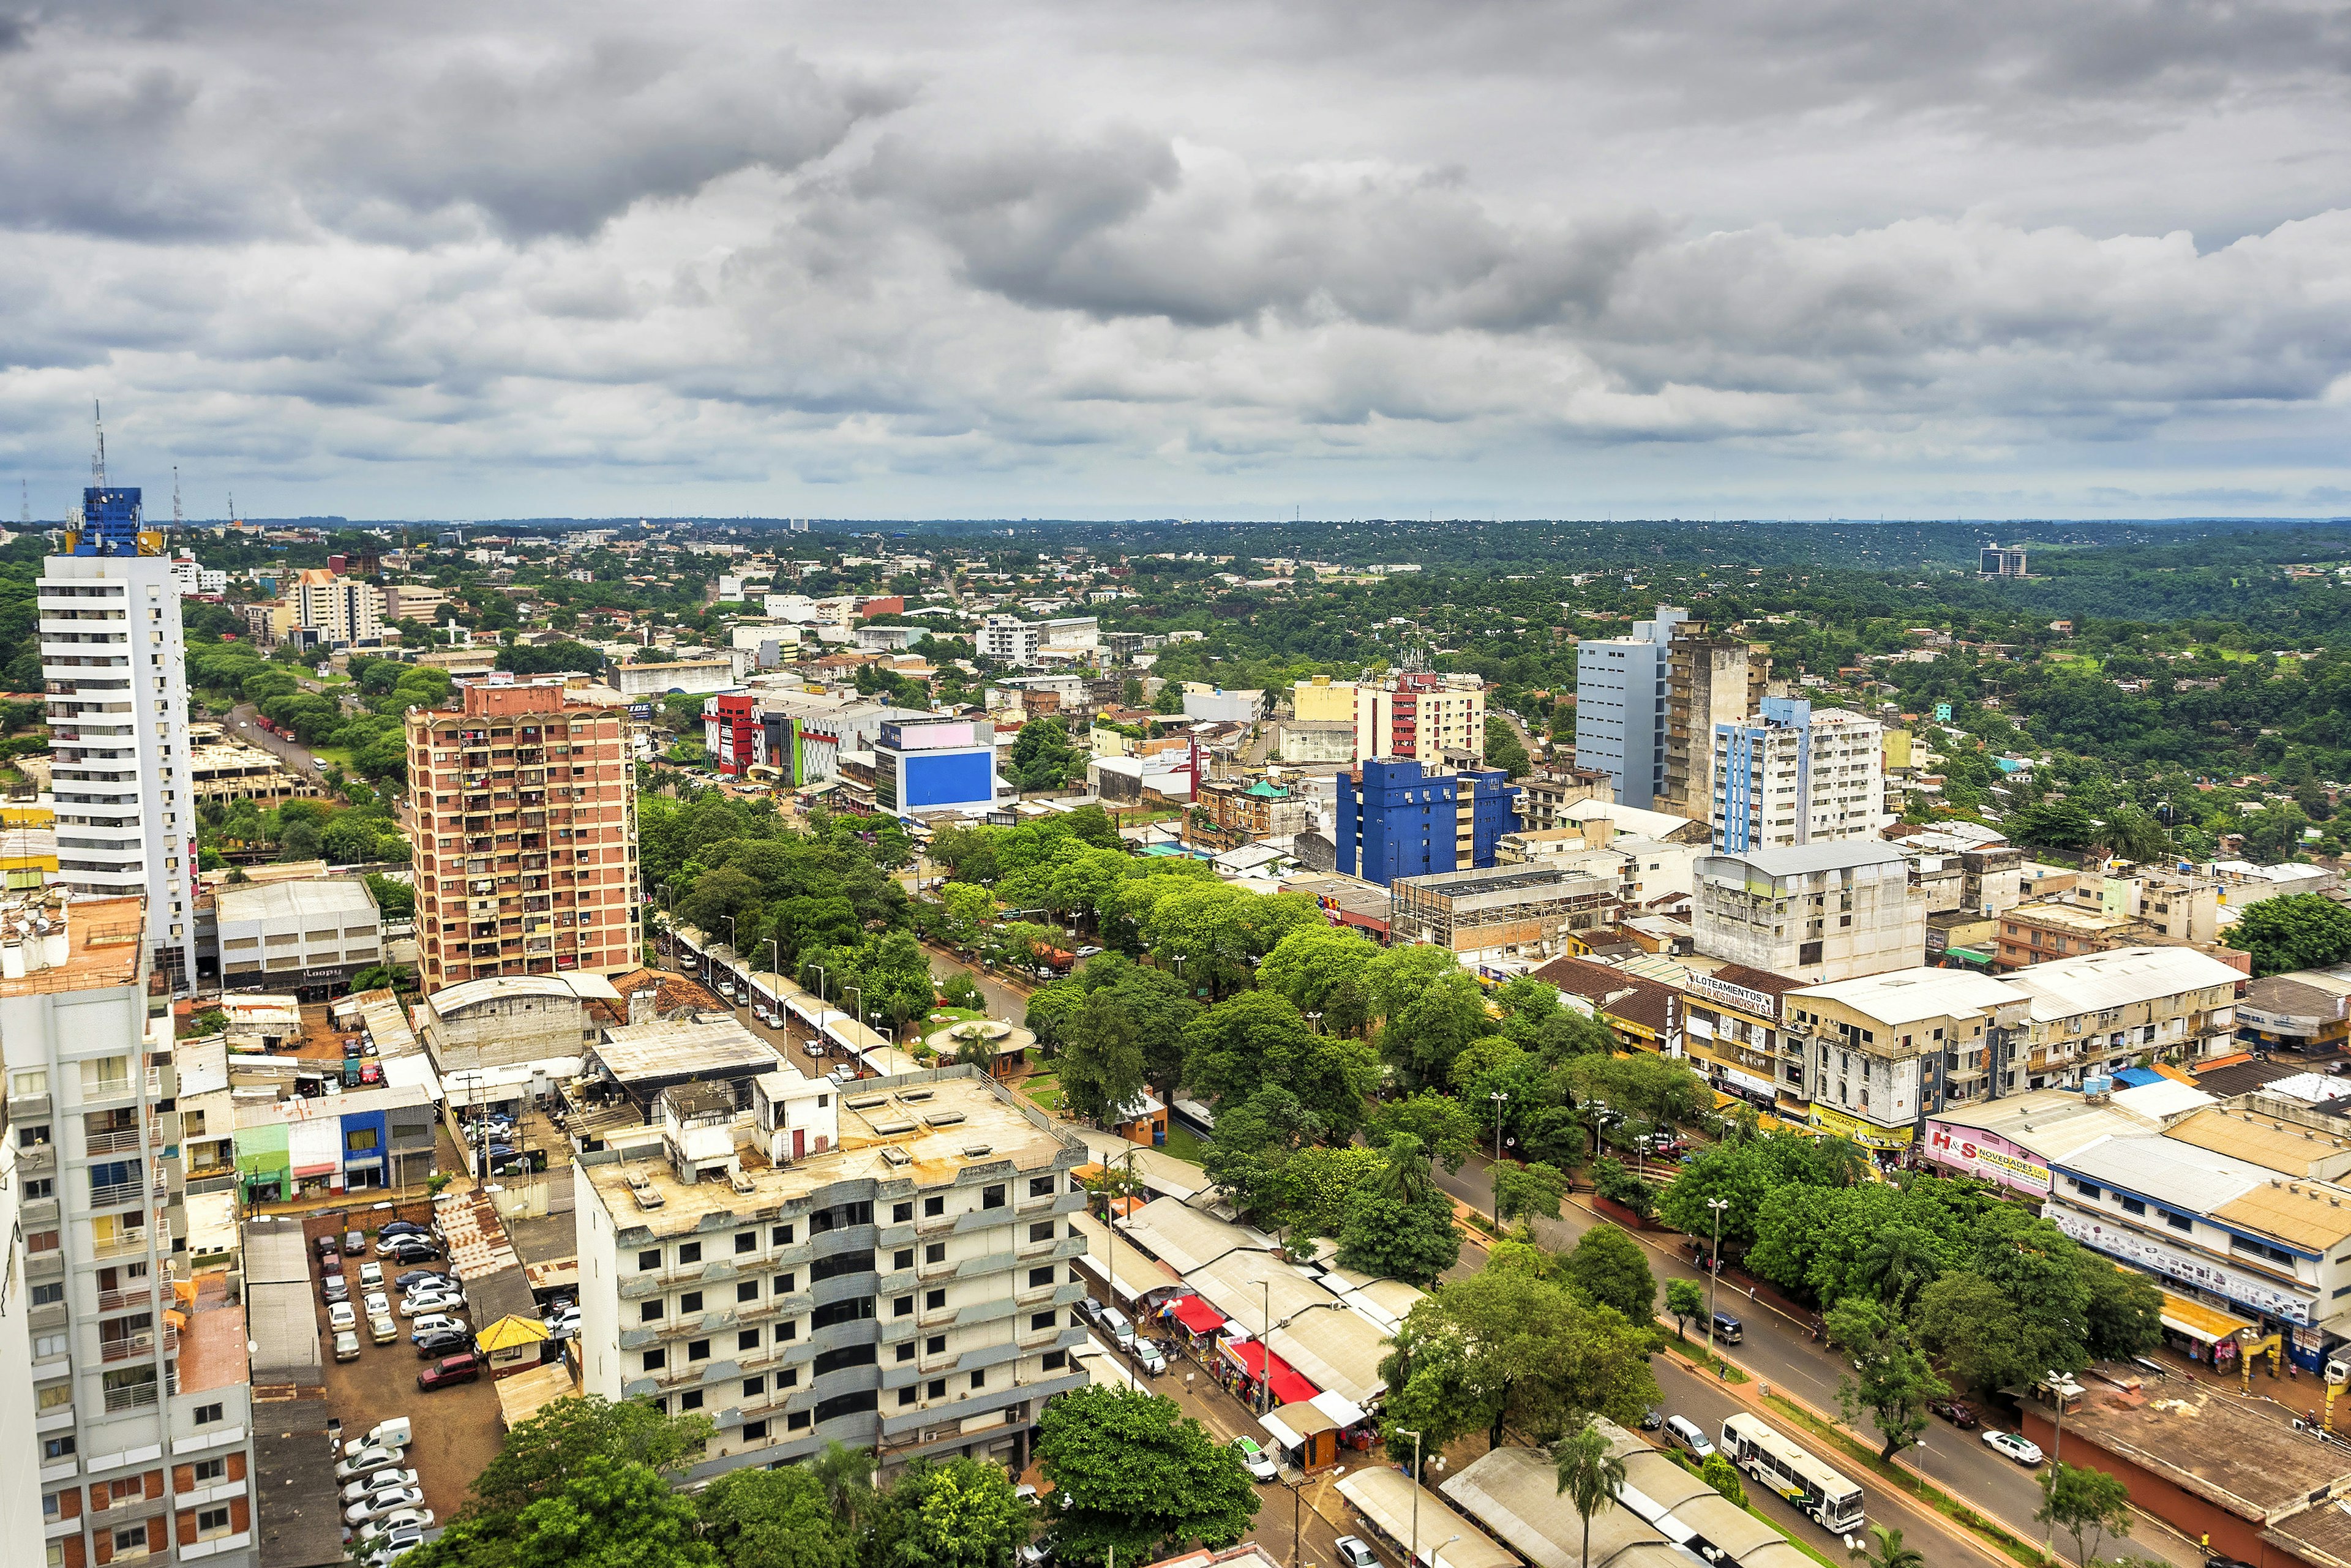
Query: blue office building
x,y
1395,820
109,521
934,763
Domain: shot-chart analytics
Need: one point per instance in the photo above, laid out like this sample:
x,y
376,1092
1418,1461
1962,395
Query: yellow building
x,y
1898,748
29,842
1324,699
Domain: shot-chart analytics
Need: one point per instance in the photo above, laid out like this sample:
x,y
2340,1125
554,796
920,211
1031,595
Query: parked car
x,y
332,1263
406,1242
434,1323
1354,1552
1957,1412
327,1246
462,1367
381,1482
377,1506
2011,1445
354,1243
347,1346
401,1228
428,1303
1039,1553
392,1432
370,1276
1255,1460
1652,1418
341,1316
1114,1324
408,1278
383,1330
375,1303
1148,1357
368,1460
443,1342
332,1290
1686,1432
1091,1308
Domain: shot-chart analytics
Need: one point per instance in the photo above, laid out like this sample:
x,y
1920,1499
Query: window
x,y
207,1414
937,1390
689,1303
656,1359
903,1306
211,1521
747,1241
781,1236
746,1339
786,1284
649,1260
1054,1360
48,1295
747,1291
934,1300
755,1431
847,1355
36,1081
900,1213
840,1263
796,1421
1041,1187
1041,1321
907,1396
789,1329
1041,1231
789,1377
934,1207
32,1136
359,1141
649,1312
58,1448
2177,1221
697,1350
906,1351
209,1471
753,1387
689,1252
902,1258
2132,1205
1040,1278
991,1197
129,1539
936,1252
690,1400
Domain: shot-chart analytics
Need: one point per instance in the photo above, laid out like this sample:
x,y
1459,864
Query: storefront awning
x,y
2197,1322
1195,1313
1284,1382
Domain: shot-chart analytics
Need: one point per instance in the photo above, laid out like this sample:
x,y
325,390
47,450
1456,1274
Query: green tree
x,y
1528,1191
775,1519
1686,1301
1441,1123
1139,1475
961,1513
1503,748
1886,1549
1720,1474
1612,1181
1892,1378
543,1453
1257,1038
1316,1185
1589,1476
968,908
2292,931
1607,1266
2087,1504
1311,963
1408,1238
1101,1059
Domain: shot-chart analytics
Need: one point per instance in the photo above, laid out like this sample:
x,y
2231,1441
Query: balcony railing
x,y
140,1346
119,1301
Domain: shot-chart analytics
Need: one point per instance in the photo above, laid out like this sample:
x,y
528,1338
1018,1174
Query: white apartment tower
x,y
1791,776
140,1439
114,666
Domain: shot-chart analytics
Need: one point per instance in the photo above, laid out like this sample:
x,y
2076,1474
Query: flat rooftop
x,y
685,1047
2243,1455
212,1346
923,1128
69,944
325,897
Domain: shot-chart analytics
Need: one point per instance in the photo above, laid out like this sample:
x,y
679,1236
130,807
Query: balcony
x,y
140,1346
125,1301
142,1397
134,1246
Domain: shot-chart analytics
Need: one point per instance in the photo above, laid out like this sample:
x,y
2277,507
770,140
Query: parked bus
x,y
1779,1462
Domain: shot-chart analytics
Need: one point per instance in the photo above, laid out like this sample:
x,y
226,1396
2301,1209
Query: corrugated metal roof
x,y
1515,1493
1907,995
2065,986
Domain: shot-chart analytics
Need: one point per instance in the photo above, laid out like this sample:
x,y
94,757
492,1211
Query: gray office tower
x,y
1620,707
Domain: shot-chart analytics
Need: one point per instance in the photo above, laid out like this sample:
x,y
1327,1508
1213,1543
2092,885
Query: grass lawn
x,y
1182,1144
1046,1095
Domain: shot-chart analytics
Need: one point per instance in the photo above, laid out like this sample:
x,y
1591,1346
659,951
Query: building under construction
x,y
1524,909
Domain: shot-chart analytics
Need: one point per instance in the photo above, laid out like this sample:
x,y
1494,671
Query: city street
x,y
244,724
1005,1000
1778,1350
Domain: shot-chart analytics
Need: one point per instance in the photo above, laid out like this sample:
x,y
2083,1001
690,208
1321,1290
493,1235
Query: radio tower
x,y
98,458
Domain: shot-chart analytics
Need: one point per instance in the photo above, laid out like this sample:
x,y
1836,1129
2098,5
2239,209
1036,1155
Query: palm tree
x,y
1889,1552
1405,1178
1590,1476
846,1474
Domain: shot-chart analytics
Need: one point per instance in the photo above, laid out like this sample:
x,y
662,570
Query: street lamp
x,y
1436,1558
1641,1155
1315,1023
2056,1447
858,1012
1494,1172
1713,1269
1414,1555
820,1009
733,936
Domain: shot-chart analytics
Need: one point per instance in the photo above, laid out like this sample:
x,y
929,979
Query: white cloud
x,y
1482,256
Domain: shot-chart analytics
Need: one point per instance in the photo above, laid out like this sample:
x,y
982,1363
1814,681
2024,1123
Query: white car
x,y
2013,1446
370,1276
426,1302
1256,1460
368,1460
434,1323
1354,1552
342,1318
396,1531
381,1482
381,1503
375,1303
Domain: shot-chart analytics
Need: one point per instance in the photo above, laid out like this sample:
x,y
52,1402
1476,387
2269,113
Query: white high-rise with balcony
x,y
114,666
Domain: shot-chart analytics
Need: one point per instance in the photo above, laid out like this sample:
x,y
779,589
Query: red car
x,y
449,1369
1957,1412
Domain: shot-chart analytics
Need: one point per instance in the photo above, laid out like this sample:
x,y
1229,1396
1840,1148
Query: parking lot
x,y
462,1419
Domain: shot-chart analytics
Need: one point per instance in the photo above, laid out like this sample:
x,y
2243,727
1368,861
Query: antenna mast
x,y
25,489
98,458
176,518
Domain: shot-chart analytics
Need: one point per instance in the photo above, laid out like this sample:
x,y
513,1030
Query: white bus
x,y
1833,1501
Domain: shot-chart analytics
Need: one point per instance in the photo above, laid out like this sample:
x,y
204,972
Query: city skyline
x,y
1064,262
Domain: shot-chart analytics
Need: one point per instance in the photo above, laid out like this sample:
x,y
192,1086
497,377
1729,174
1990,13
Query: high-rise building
x,y
896,1269
115,669
525,814
1010,640
1815,912
1710,681
1393,817
20,1488
934,761
1993,560
341,611
1792,775
1423,716
140,1439
1621,722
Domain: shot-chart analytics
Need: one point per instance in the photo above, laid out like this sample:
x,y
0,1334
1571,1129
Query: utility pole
x,y
1413,1556
2057,1447
1714,1271
1495,1173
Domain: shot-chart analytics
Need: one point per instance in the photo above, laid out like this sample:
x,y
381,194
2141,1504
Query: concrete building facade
x,y
1816,912
307,936
114,664
1794,776
527,835
342,611
1621,720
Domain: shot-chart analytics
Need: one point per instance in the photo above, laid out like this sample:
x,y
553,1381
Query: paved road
x,y
244,724
1779,1351
1005,1000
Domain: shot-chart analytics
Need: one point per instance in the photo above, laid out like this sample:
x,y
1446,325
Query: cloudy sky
x,y
1463,258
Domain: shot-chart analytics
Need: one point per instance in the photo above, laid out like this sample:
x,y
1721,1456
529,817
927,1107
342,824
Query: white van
x,y
1686,1432
1114,1324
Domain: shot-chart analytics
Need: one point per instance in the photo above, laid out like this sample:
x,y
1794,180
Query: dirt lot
x,y
457,1428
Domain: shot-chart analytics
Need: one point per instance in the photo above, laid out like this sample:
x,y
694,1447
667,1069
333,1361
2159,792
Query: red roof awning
x,y
1195,1313
1285,1383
